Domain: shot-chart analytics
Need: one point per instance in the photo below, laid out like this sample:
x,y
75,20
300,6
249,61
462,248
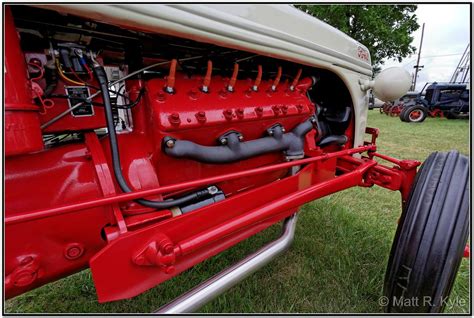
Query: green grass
x,y
336,264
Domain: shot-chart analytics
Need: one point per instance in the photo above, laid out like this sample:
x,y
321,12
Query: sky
x,y
447,33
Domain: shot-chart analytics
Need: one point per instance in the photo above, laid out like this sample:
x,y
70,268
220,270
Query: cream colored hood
x,y
276,30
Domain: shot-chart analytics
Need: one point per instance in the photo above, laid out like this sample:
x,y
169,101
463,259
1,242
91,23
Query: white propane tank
x,y
390,84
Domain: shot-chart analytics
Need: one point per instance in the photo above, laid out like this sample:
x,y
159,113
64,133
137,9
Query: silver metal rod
x,y
216,285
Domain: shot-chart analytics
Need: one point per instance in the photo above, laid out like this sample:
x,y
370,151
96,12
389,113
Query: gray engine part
x,y
232,149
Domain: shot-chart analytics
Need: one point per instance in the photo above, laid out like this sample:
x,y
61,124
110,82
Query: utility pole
x,y
417,66
463,68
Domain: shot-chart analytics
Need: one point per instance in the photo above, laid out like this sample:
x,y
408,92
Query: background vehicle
x,y
449,99
394,108
374,102
141,140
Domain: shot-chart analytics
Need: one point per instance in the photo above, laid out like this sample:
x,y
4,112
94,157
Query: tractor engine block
x,y
205,117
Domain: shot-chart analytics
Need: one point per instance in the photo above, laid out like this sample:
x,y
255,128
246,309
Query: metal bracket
x,y
159,253
224,138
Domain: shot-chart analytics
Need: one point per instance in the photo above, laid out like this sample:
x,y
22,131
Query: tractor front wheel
x,y
431,236
415,114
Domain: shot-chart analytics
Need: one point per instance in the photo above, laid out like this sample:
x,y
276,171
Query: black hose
x,y
51,79
102,79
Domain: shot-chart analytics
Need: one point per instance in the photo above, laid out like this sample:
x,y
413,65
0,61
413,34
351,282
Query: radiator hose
x,y
117,167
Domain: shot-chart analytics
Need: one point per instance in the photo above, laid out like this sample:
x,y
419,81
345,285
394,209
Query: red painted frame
x,y
151,254
130,248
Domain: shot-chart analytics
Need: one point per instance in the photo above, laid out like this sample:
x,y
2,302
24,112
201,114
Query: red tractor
x,y
142,139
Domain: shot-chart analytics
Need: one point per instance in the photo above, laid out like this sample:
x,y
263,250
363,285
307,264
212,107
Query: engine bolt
x,y
174,119
300,108
276,109
270,132
223,141
240,112
241,137
283,129
259,111
201,117
170,143
228,114
284,109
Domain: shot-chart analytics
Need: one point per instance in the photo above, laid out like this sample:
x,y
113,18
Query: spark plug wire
x,y
277,79
295,80
233,79
207,78
258,79
171,78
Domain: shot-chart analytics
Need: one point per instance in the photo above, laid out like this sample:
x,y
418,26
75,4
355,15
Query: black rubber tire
x,y
402,113
424,113
430,238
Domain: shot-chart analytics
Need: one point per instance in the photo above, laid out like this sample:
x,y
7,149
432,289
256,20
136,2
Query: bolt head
x,y
241,137
167,249
169,269
73,251
24,277
170,143
223,141
270,132
213,190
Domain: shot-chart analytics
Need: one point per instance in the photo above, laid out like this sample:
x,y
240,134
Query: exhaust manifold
x,y
233,149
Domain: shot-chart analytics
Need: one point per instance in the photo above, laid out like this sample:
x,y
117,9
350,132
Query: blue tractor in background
x,y
449,99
